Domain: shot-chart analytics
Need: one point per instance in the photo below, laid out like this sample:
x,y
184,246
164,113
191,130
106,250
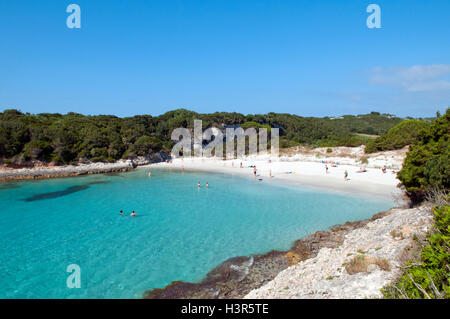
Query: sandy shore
x,y
309,174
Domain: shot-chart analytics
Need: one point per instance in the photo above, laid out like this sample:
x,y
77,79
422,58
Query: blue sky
x,y
312,58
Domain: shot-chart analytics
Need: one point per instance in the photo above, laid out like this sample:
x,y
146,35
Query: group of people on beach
x,y
132,213
361,170
345,173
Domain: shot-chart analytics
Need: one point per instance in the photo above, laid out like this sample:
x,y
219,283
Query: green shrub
x,y
364,160
432,272
427,164
401,135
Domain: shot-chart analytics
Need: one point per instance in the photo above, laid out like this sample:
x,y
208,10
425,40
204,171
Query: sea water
x,y
180,232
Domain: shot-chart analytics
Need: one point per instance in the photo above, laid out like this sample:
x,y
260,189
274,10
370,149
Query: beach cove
x,y
236,277
174,217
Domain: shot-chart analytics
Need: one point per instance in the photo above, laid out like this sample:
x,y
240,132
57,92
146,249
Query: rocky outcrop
x,y
42,172
151,159
368,259
237,276
38,170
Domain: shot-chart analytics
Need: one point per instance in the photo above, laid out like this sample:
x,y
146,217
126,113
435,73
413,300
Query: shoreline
x,y
237,276
313,175
47,171
255,276
367,260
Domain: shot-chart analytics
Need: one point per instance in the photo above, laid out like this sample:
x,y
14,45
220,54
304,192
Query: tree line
x,y
73,137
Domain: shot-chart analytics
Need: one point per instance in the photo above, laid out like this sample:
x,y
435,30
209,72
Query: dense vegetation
x,y
401,135
429,277
74,137
427,164
426,171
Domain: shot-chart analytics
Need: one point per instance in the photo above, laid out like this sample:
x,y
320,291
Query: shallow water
x,y
180,233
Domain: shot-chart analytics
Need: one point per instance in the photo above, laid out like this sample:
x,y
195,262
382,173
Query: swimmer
x,y
133,213
149,174
207,185
198,184
121,212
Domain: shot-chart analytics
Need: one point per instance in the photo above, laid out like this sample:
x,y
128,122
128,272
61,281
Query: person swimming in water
x,y
198,184
121,212
207,185
133,213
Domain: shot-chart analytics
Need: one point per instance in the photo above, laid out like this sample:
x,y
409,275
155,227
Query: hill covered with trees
x,y
401,135
73,137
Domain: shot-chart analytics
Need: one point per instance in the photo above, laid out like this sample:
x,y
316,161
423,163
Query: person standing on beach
x,y
254,171
326,168
345,175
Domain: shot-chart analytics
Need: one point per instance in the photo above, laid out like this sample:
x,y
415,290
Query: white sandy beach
x,y
373,182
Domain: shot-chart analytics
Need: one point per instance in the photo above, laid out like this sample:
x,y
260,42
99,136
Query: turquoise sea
x,y
180,232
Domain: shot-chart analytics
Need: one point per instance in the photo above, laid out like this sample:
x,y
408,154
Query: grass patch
x,y
361,263
397,234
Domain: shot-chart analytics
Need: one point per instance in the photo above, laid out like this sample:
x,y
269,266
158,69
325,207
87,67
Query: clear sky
x,y
311,58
